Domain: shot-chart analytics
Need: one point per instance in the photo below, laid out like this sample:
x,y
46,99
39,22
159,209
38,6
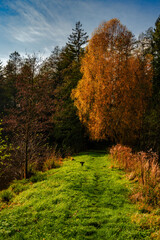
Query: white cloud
x,y
32,25
40,25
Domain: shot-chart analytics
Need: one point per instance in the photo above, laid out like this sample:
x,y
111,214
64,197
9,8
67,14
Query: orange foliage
x,y
113,93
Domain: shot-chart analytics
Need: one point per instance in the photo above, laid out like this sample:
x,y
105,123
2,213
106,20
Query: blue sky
x,y
37,26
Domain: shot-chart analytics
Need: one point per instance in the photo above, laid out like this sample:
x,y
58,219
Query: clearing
x,y
74,202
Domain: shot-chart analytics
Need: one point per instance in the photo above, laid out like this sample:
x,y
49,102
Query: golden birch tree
x,y
112,95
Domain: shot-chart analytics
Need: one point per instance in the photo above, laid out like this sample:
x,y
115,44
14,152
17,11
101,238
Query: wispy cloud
x,y
39,25
32,24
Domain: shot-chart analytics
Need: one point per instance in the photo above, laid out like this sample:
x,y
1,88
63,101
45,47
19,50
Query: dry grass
x,y
54,160
142,167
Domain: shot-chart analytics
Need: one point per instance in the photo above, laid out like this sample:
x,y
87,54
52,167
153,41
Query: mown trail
x,y
74,203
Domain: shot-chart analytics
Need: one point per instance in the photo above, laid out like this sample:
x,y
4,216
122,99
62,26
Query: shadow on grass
x,y
92,153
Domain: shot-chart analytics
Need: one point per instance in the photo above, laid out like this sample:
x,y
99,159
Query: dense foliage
x,y
36,107
114,84
151,124
6,165
113,94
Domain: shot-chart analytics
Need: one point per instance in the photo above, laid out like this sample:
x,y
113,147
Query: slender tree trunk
x,y
26,153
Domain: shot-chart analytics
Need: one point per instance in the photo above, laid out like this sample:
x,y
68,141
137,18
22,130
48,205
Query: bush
x,y
6,196
144,166
53,161
38,177
17,188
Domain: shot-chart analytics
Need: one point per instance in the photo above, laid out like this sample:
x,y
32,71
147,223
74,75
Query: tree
x,y
156,59
68,131
3,94
65,67
149,42
112,95
11,72
29,121
151,123
76,40
52,68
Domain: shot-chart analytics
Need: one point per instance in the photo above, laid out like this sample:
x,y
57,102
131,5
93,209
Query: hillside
x,y
74,202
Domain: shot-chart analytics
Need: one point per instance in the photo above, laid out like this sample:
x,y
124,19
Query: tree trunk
x,y
26,153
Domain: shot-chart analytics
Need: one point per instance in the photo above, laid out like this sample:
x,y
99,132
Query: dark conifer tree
x,y
3,95
11,71
156,59
151,123
68,131
76,40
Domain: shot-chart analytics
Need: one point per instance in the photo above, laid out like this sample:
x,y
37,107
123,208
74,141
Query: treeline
x,y
39,117
110,91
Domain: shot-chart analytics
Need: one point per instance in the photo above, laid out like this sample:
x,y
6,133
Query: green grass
x,y
74,202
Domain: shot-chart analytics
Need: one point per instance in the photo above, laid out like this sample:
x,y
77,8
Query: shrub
x,y
144,166
6,196
38,177
53,161
17,188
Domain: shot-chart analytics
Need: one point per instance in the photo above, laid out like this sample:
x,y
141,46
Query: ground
x,y
74,202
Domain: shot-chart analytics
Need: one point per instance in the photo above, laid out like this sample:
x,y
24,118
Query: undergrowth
x,y
143,168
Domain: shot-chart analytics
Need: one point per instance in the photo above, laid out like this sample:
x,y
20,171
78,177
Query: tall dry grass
x,y
142,166
53,160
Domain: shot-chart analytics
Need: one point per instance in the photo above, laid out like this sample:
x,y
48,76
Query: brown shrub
x,y
144,167
54,160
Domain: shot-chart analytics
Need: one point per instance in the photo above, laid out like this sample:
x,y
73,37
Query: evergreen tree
x,y
76,40
156,59
3,95
151,123
11,72
68,131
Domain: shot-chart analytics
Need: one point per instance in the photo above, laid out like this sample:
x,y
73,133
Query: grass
x,y
74,203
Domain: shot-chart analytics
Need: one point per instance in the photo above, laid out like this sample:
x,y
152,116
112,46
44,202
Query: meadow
x,y
72,202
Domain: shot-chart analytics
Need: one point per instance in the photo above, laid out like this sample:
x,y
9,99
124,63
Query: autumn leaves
x,y
113,93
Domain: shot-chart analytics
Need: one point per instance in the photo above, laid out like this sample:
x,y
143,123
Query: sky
x,y
37,26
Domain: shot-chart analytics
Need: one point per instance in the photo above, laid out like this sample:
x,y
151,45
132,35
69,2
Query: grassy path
x,y
74,203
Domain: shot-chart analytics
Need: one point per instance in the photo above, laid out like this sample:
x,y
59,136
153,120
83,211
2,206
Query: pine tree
x,y
11,72
151,123
156,58
68,131
76,40
3,95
